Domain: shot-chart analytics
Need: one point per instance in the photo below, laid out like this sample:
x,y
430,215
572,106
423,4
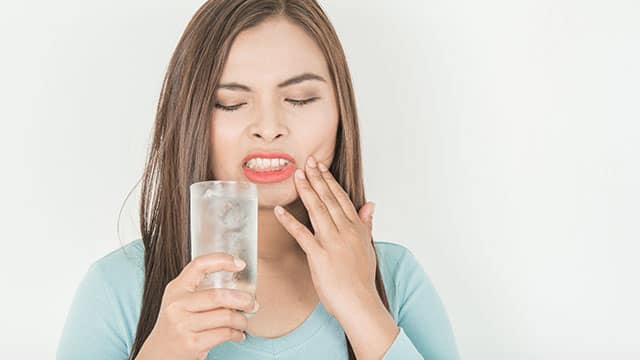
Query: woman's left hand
x,y
340,253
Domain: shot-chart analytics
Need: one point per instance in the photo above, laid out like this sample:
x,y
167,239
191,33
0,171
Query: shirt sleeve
x,y
91,329
425,331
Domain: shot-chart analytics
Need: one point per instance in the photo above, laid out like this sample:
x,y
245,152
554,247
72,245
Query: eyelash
x,y
293,102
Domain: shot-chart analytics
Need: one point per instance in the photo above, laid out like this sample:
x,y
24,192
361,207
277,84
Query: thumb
x,y
366,213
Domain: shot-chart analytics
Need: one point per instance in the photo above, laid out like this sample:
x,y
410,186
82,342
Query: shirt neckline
x,y
318,318
312,324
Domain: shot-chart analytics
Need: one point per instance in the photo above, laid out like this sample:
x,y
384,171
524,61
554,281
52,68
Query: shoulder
x,y
103,315
415,305
125,262
401,272
396,260
391,253
126,255
119,275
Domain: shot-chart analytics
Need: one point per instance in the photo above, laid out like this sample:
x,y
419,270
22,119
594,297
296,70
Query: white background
x,y
509,130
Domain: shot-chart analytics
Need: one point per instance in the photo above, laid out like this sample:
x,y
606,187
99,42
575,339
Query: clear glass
x,y
224,218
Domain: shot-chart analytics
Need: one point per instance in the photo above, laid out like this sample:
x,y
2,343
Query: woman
x,y
259,79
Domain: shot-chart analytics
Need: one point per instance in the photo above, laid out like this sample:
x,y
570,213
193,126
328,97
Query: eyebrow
x,y
294,80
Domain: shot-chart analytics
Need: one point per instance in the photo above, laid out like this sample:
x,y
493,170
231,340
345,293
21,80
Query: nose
x,y
268,125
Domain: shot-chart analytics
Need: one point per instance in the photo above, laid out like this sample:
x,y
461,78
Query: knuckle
x,y
242,321
227,316
198,264
217,296
325,194
181,327
298,227
172,307
321,207
228,333
247,299
333,201
190,342
170,286
172,313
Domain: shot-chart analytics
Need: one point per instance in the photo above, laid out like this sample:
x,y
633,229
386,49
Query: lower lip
x,y
267,177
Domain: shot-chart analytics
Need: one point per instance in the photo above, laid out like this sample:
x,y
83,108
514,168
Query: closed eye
x,y
302,102
228,108
293,102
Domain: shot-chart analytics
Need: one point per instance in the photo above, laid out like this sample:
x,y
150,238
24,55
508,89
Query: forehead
x,y
272,52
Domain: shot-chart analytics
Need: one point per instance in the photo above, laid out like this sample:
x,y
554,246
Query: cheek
x,y
223,140
321,131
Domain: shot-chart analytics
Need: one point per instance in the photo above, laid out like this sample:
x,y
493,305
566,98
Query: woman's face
x,y
258,109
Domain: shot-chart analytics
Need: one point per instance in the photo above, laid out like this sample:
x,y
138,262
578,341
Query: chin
x,y
270,195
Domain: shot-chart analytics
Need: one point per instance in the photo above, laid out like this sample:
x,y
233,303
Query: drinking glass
x,y
224,218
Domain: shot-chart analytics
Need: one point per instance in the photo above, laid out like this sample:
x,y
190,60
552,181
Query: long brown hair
x,y
180,152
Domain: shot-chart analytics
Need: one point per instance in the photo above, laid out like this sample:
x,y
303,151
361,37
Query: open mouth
x,y
266,165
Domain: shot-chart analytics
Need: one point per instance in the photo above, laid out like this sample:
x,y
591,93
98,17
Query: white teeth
x,y
259,163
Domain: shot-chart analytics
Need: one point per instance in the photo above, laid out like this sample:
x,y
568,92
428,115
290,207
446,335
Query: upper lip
x,y
267,155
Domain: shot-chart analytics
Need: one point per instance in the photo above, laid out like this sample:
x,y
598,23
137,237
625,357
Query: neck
x,y
275,245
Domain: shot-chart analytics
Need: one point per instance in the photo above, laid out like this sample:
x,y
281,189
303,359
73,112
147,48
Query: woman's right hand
x,y
192,322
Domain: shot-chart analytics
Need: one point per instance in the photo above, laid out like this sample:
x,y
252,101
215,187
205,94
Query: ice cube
x,y
232,215
210,193
233,241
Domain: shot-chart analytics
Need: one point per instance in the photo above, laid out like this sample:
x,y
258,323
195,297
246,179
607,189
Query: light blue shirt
x,y
103,316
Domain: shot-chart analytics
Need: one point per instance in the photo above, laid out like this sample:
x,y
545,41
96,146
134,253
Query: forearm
x,y
370,328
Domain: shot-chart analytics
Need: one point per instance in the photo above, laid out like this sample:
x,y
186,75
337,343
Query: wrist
x,y
370,328
148,350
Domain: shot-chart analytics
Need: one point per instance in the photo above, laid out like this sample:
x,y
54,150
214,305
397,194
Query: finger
x,y
198,268
303,236
319,184
222,317
209,299
339,193
318,212
213,337
366,214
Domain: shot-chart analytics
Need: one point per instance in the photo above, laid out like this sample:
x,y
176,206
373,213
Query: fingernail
x,y
239,263
322,167
373,208
311,162
244,336
299,174
279,210
256,306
